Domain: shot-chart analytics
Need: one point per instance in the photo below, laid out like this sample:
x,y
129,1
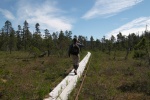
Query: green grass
x,y
119,79
107,79
33,79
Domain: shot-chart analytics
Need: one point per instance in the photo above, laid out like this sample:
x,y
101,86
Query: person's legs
x,y
75,69
75,59
74,63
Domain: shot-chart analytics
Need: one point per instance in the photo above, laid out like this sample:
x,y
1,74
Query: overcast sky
x,y
95,18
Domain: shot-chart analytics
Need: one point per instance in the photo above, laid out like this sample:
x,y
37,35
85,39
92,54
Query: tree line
x,y
139,44
23,39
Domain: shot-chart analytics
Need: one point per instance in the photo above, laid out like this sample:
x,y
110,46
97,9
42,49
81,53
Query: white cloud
x,y
107,8
136,26
45,13
7,14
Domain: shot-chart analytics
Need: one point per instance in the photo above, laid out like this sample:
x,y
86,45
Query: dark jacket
x,y
78,44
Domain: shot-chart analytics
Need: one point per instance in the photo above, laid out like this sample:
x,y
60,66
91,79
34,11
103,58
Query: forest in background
x,y
58,42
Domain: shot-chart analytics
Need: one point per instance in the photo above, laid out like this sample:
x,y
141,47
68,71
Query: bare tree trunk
x,y
127,53
148,55
114,55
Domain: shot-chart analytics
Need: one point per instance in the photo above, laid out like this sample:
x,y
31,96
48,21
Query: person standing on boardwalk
x,y
74,51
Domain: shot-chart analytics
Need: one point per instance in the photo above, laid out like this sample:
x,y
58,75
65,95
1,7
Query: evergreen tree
x,y
2,38
19,38
68,34
12,41
103,41
61,40
142,50
47,34
120,41
98,44
7,30
47,42
37,28
27,36
92,42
